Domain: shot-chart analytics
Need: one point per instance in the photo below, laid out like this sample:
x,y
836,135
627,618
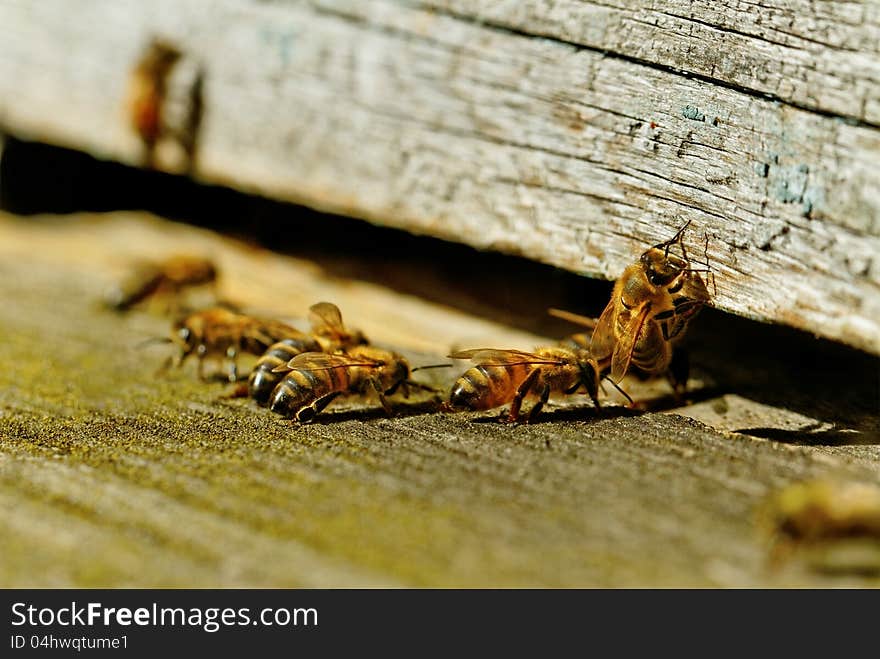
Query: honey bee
x,y
313,379
147,89
503,376
329,334
834,525
652,303
223,333
168,277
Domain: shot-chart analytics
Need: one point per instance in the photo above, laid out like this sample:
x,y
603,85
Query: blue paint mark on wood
x,y
280,39
791,184
690,112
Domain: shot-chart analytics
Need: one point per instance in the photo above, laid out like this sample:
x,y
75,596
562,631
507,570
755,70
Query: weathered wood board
x,y
572,133
111,476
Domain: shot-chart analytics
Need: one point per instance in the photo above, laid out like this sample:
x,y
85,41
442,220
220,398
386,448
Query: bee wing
x,y
324,316
321,361
602,340
623,349
496,357
577,319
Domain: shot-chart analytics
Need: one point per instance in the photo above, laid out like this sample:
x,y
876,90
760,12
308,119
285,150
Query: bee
x,y
313,379
147,88
168,277
503,376
224,333
329,334
833,524
652,303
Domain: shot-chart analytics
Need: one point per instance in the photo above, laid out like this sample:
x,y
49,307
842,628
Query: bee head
x,y
661,268
589,371
398,369
393,372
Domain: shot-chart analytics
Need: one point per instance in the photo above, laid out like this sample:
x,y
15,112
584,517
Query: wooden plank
x,y
432,122
110,476
819,56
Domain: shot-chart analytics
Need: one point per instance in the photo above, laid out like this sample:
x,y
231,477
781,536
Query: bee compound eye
x,y
184,333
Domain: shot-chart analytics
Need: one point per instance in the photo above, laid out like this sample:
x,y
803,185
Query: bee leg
x,y
240,391
201,352
163,369
521,392
382,399
175,361
679,369
594,383
536,408
629,399
231,353
308,413
398,385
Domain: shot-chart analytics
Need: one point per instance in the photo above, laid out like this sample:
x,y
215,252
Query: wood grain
x,y
819,56
576,142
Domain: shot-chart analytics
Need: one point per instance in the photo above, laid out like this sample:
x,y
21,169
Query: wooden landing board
x,y
111,476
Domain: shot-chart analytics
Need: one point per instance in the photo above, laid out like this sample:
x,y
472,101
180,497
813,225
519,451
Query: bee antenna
x,y
152,340
706,263
676,238
616,386
422,368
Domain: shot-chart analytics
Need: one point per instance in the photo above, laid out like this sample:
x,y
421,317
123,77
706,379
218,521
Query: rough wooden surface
x,y
110,476
573,133
820,56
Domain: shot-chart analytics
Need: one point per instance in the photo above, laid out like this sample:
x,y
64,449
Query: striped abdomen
x,y
262,380
651,353
484,387
300,388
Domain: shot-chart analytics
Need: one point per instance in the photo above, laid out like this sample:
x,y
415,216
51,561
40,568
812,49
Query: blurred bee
x,y
166,278
835,525
329,334
147,88
313,379
652,303
219,332
503,376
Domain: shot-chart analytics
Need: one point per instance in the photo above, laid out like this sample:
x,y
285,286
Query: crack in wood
x,y
852,118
